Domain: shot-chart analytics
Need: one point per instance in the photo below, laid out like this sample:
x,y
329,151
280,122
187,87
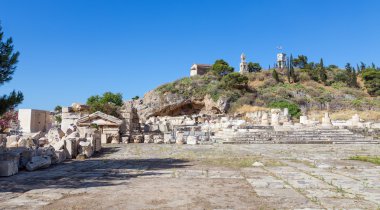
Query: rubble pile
x,y
40,150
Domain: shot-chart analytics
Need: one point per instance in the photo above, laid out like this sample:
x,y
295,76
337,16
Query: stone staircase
x,y
269,135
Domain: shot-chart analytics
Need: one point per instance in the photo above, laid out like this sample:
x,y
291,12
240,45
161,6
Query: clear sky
x,y
71,49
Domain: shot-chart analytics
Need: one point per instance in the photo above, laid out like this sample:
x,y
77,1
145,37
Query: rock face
x,y
170,104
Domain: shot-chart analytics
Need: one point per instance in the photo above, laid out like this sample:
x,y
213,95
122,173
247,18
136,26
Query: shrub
x,y
234,80
294,109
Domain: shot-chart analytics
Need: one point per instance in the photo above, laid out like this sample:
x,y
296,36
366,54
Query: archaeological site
x,y
121,105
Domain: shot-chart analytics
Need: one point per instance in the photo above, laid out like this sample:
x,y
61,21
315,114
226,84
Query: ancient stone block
x,y
86,149
148,138
71,148
158,139
9,164
55,134
59,157
193,140
180,138
59,145
38,162
12,141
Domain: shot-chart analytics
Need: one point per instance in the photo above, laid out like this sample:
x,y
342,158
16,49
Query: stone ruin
x,y
81,134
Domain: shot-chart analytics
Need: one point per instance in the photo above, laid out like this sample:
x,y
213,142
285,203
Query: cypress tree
x,y
322,72
291,69
288,70
275,76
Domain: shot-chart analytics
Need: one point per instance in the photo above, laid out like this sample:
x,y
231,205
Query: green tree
x,y
275,76
108,103
221,68
254,67
136,97
351,76
8,61
322,72
291,69
58,109
300,62
288,70
234,80
371,79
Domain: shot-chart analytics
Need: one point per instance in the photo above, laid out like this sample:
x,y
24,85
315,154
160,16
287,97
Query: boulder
x,y
38,162
3,143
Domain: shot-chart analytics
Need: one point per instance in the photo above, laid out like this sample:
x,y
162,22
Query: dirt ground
x,y
151,176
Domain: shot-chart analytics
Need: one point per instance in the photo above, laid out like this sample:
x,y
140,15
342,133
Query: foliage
x,y
294,109
300,62
234,80
221,68
136,97
371,79
322,72
351,76
8,61
275,76
7,119
58,119
58,109
254,67
108,103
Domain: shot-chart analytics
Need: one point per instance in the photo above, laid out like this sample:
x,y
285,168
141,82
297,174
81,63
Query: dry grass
x,y
346,115
248,108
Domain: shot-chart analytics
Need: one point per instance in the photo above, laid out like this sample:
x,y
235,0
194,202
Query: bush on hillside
x,y
294,109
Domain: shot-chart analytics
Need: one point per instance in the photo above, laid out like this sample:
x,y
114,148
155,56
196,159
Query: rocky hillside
x,y
235,93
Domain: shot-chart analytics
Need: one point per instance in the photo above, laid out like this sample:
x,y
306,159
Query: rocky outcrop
x,y
170,104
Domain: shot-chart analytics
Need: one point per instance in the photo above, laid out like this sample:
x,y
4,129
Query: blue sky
x,y
71,49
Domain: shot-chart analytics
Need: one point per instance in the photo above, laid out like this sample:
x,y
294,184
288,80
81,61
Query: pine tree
x,y
8,61
322,72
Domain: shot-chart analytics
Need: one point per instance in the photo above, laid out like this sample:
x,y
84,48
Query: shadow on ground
x,y
88,173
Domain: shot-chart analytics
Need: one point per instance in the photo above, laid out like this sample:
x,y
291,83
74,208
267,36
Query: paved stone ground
x,y
150,176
